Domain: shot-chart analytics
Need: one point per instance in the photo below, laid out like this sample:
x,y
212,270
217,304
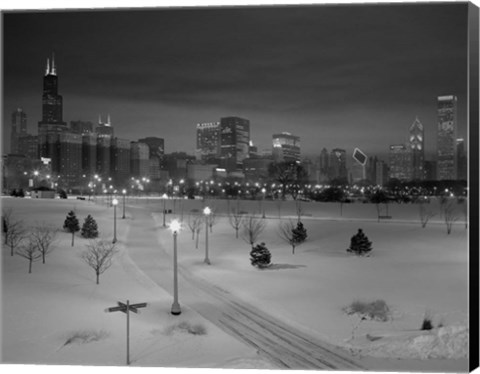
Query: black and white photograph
x,y
254,186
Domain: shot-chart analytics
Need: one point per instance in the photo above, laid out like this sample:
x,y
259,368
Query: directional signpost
x,y
127,308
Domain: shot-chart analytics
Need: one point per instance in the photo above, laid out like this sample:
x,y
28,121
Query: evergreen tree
x,y
71,224
89,228
359,244
260,256
299,233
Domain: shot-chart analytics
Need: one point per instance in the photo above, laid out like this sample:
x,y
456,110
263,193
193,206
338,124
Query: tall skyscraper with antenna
x,y
51,125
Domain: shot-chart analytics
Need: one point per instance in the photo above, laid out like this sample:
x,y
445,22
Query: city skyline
x,y
282,71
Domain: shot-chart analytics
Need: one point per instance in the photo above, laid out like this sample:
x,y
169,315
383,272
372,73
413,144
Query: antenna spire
x,y
99,119
108,120
54,69
47,70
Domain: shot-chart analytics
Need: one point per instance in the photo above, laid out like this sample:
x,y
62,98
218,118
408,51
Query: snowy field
x,y
56,315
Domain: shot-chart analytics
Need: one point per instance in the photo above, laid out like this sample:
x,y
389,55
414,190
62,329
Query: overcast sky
x,y
337,76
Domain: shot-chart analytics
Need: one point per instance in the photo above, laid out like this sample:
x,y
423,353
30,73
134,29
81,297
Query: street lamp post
x,y
175,226
164,197
263,201
207,212
114,203
124,192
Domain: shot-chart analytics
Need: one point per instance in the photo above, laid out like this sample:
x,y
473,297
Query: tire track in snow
x,y
281,344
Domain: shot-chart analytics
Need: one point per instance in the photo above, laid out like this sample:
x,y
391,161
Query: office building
x,y
285,147
28,146
338,164
381,173
416,144
446,138
234,142
400,162
208,141
462,163
81,127
89,154
70,146
140,154
120,161
156,146
18,129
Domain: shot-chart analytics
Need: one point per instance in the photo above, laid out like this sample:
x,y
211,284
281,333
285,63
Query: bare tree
x,y
252,227
278,204
16,234
44,235
299,210
197,230
235,218
450,215
286,232
194,221
29,251
7,217
212,219
99,255
425,213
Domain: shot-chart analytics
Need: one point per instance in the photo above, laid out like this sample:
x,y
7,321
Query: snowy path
x,y
281,344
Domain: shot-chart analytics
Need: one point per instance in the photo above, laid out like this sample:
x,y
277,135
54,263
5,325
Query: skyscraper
x,y
51,125
324,166
234,142
70,145
120,161
208,140
52,102
338,164
416,144
446,137
104,128
81,127
462,163
19,129
400,162
286,147
139,159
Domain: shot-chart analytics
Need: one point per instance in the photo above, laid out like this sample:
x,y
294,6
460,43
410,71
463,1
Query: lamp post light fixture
x,y
207,211
175,227
114,203
124,192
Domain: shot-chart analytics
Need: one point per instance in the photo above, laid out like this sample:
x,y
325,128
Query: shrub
x,y
299,233
89,228
427,323
186,327
71,224
85,336
374,310
359,244
260,256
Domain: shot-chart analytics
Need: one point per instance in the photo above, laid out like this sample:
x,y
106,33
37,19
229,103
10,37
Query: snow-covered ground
x,y
414,270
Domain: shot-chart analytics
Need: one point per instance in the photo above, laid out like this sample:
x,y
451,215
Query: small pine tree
x,y
299,233
71,224
260,256
359,244
89,228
